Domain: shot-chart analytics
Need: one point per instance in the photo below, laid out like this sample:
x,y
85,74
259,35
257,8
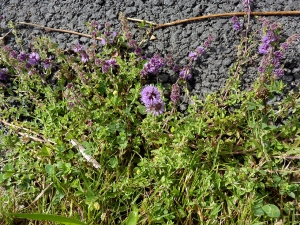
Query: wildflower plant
x,y
84,137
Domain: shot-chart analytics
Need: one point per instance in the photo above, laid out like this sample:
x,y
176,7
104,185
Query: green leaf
x,y
133,216
50,169
292,194
53,218
45,151
258,211
271,210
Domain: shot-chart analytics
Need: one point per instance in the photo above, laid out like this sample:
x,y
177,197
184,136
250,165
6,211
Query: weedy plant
x,y
86,137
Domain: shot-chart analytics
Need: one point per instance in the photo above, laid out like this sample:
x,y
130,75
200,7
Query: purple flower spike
x,y
175,93
34,58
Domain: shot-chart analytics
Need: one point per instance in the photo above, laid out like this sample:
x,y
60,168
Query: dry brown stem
x,y
278,13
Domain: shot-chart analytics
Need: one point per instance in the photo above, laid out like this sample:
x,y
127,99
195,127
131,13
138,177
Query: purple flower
x,y
193,56
200,50
208,41
13,54
105,68
3,74
247,3
47,63
22,57
264,48
175,93
111,62
103,41
94,24
279,72
132,43
275,62
155,108
149,94
261,69
106,33
151,98
98,62
185,73
278,54
153,66
34,58
138,51
236,23
176,68
84,57
78,48
284,46
237,26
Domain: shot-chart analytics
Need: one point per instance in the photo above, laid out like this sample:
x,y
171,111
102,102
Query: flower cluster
x,y
109,37
270,48
175,93
108,64
185,73
153,66
34,58
269,39
151,98
237,25
79,49
30,60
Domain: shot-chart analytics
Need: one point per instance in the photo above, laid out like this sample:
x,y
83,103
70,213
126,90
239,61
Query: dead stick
x,y
138,20
59,30
279,13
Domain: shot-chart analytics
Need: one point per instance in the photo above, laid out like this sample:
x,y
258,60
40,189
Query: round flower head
x,y
149,94
34,58
152,100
